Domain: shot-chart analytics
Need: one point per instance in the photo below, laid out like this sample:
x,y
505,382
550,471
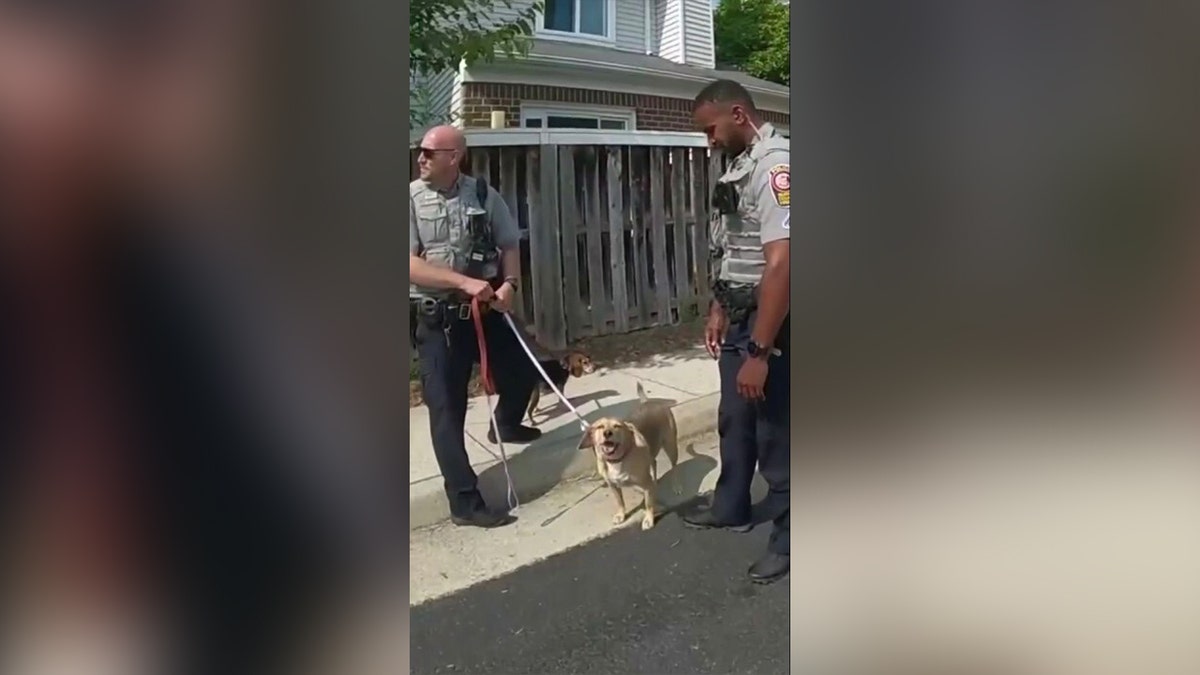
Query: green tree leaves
x,y
754,37
445,32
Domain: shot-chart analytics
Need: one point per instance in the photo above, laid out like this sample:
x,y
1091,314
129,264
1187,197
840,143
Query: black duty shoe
x,y
770,568
704,520
484,519
517,434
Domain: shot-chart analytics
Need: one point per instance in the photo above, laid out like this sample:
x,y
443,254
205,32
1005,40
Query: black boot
x,y
705,520
517,434
769,568
485,519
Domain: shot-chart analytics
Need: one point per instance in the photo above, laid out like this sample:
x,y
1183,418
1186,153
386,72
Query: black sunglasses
x,y
428,153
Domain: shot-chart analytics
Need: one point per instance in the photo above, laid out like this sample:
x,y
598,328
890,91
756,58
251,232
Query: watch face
x,y
753,350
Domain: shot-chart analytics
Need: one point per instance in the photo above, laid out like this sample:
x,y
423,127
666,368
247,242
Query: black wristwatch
x,y
757,351
512,281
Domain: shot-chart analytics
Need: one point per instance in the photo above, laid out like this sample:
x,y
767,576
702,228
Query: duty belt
x,y
738,301
437,312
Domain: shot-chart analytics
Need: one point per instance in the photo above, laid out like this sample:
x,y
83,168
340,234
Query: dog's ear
x,y
638,439
588,440
573,365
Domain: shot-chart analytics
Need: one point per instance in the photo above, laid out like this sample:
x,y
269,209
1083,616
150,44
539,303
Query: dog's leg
x,y
619,499
534,399
648,505
671,446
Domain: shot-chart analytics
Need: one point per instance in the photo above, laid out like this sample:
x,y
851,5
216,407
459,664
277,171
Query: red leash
x,y
485,371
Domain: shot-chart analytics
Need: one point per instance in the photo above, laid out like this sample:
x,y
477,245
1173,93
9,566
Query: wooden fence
x,y
614,225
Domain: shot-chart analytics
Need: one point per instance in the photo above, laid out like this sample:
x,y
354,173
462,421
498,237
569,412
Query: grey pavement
x,y
670,600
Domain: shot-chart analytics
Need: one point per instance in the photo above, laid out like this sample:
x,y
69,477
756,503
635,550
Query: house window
x,y
553,118
587,19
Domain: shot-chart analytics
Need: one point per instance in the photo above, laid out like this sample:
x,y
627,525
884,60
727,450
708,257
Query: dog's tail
x,y
641,392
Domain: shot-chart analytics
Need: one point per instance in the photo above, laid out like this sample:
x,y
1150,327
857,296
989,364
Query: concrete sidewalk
x,y
687,379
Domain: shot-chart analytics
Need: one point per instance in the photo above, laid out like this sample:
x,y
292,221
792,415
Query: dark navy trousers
x,y
446,359
755,433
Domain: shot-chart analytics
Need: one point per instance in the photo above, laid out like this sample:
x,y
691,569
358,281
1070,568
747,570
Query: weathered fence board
x,y
569,233
639,189
545,249
679,243
615,237
658,236
700,246
616,232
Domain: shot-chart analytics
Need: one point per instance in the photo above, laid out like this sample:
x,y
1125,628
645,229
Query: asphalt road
x,y
666,601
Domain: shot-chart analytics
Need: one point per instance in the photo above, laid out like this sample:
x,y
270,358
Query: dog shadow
x,y
551,455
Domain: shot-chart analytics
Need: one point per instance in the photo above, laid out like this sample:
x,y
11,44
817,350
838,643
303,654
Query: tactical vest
x,y
455,232
736,247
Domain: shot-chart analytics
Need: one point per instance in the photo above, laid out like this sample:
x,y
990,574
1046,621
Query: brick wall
x,y
654,113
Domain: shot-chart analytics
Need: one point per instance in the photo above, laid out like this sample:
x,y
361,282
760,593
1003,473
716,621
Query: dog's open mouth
x,y
611,450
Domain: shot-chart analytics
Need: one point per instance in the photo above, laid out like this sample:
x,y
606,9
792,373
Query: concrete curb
x,y
427,500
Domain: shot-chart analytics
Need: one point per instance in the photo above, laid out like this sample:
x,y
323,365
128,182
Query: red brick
x,y
654,113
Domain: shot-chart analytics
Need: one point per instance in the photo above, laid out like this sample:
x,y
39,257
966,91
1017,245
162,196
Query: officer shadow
x,y
541,465
761,511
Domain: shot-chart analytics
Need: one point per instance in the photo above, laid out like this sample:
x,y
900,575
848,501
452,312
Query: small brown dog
x,y
575,364
627,450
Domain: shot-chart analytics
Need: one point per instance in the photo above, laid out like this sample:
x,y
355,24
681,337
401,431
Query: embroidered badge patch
x,y
781,184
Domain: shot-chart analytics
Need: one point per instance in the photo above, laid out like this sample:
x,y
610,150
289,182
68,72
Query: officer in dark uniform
x,y
748,320
463,245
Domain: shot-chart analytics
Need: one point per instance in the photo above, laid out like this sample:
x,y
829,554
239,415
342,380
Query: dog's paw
x,y
618,518
647,521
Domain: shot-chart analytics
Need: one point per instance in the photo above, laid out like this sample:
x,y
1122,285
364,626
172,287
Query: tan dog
x,y
626,451
575,364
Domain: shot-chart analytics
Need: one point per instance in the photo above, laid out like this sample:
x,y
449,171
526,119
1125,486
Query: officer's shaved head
x,y
726,93
445,136
442,150
725,112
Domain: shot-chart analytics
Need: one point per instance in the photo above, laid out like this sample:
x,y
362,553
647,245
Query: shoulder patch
x,y
780,178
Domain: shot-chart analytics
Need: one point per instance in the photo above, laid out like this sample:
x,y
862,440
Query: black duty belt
x,y
436,311
738,300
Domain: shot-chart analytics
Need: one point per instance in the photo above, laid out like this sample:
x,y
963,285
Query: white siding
x,y
683,32
670,30
501,14
631,25
698,29
439,88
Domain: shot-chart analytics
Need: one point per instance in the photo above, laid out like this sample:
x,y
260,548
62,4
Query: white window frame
x,y
610,26
538,110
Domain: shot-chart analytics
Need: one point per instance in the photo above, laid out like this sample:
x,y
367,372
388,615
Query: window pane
x,y
591,16
612,124
563,122
560,15
533,122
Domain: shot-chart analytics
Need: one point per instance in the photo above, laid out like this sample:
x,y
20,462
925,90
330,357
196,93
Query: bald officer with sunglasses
x,y
463,246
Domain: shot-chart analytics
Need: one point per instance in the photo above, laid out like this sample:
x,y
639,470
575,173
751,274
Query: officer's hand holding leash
x,y
502,300
477,289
